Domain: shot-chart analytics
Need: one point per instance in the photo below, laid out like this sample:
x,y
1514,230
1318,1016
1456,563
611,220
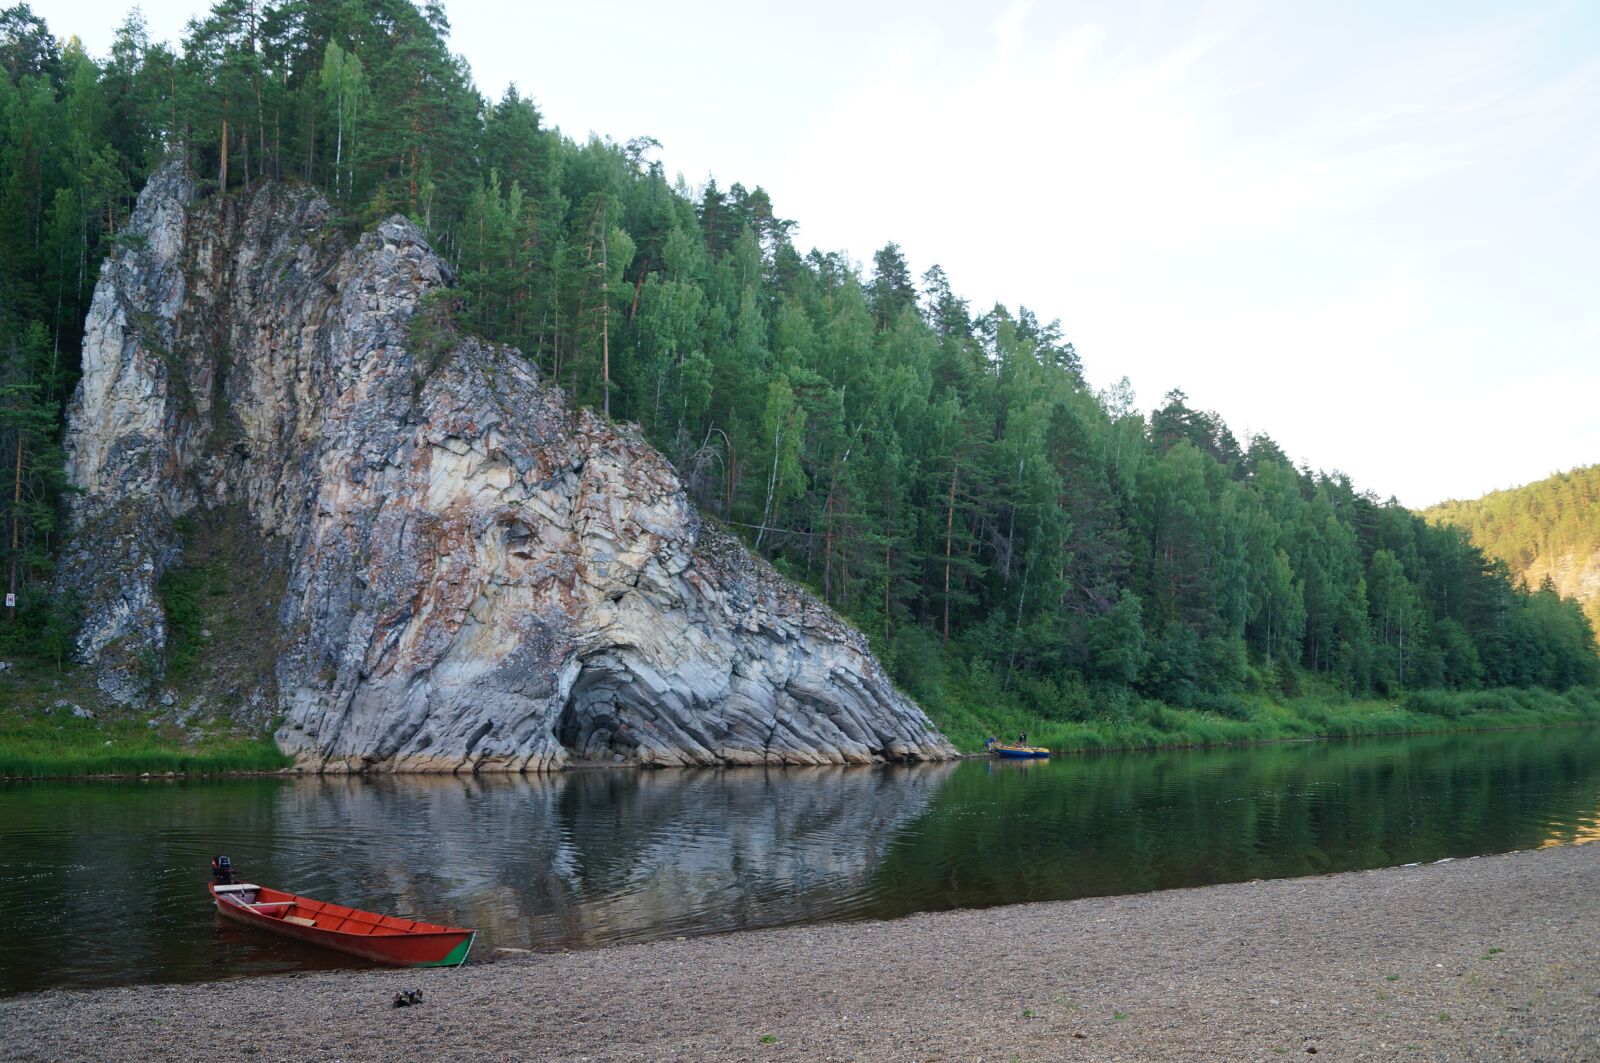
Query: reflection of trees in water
x,y
105,882
594,856
1094,825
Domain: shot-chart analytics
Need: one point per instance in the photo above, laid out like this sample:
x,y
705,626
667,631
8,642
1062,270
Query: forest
x,y
1547,533
940,473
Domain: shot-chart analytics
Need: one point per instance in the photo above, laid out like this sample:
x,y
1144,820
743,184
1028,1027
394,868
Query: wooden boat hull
x,y
1019,752
384,938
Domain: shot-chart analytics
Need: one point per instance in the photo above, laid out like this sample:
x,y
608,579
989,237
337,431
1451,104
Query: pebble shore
x,y
1493,958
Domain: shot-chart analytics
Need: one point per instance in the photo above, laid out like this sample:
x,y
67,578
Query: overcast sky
x,y
1370,230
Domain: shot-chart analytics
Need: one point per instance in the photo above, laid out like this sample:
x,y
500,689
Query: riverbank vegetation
x,y
970,712
51,753
43,738
1024,552
63,737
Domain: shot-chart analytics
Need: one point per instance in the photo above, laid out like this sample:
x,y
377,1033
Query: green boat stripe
x,y
458,955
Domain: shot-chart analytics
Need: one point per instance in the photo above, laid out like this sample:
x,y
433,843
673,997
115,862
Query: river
x,y
103,882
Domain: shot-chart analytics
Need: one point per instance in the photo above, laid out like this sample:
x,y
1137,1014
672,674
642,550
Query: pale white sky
x,y
1371,230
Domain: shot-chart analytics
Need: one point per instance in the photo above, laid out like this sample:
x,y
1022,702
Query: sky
x,y
1369,230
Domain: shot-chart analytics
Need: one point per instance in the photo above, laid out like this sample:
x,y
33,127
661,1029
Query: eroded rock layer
x,y
478,577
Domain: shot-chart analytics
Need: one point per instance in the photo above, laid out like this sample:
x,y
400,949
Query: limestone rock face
x,y
479,578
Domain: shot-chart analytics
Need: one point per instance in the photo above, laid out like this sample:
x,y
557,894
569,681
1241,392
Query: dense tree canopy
x,y
942,475
1547,533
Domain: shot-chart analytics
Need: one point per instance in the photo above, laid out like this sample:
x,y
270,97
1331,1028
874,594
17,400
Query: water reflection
x,y
1097,825
103,882
592,857
110,876
1575,833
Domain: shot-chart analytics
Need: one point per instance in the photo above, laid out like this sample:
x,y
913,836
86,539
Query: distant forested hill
x,y
940,473
1545,531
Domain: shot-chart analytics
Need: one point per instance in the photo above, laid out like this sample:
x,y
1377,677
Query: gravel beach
x,y
1489,958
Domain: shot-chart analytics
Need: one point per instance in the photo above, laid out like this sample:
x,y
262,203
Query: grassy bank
x,y
41,736
34,747
968,712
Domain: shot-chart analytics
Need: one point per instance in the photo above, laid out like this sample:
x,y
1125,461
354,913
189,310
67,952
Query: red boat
x,y
384,938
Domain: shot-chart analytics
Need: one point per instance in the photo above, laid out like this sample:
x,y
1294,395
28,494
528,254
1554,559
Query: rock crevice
x,y
479,578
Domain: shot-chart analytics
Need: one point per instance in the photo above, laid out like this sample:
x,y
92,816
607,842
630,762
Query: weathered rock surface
x,y
478,577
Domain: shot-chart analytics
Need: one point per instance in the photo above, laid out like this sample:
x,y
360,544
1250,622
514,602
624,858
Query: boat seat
x,y
237,887
299,920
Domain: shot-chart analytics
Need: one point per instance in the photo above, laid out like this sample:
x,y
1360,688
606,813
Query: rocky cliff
x,y
475,577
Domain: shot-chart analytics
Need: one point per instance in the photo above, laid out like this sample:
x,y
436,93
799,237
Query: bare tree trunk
x,y
605,308
772,483
888,581
605,326
261,134
224,174
16,529
338,138
555,343
172,81
827,548
1016,637
311,145
416,136
949,533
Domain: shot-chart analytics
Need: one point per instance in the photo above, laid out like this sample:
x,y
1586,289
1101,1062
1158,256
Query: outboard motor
x,y
222,871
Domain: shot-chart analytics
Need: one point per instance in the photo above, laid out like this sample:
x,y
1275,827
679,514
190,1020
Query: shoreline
x,y
1494,957
576,766
1284,740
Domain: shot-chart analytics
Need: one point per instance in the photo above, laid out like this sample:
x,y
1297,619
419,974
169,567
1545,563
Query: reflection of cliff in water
x,y
102,883
591,857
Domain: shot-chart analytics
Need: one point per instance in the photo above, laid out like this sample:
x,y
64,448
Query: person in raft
x,y
1022,738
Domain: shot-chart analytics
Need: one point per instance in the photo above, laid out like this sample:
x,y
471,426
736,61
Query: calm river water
x,y
103,883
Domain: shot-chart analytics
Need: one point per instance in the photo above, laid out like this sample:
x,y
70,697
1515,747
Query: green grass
x,y
44,749
40,739
186,592
969,710
969,697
